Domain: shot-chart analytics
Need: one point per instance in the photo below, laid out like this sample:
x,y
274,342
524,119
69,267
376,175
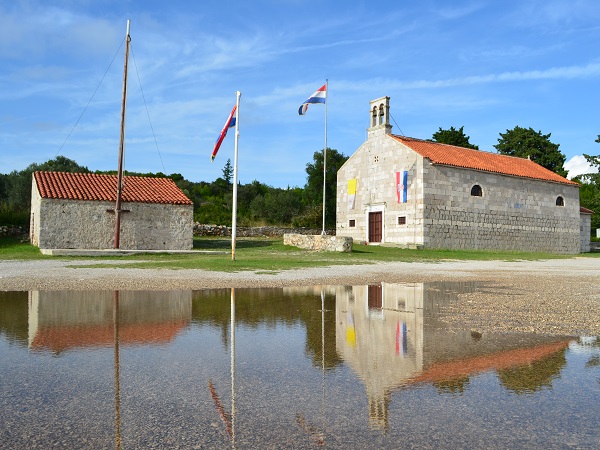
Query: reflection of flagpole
x,y
232,368
238,94
228,419
116,365
313,431
325,155
323,356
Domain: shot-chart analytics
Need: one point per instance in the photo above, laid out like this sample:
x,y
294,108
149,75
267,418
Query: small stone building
x,y
76,211
417,193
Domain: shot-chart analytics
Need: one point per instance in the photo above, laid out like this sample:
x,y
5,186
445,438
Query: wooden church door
x,y
375,226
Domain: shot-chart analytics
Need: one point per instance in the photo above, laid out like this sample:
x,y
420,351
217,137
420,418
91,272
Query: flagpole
x,y
117,239
238,94
325,155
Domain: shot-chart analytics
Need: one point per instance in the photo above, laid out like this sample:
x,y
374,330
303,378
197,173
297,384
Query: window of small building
x,y
401,220
352,223
560,201
476,191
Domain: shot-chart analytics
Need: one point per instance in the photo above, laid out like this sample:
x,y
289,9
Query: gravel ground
x,y
559,297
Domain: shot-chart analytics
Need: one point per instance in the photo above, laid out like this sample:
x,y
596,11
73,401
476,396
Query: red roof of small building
x,y
451,155
90,186
585,210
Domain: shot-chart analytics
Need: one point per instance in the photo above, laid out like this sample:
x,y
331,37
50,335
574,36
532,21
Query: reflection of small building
x,y
62,320
392,336
76,210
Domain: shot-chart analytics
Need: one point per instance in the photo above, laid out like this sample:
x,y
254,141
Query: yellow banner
x,y
352,186
351,193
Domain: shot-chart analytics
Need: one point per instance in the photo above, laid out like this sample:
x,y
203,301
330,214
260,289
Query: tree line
x,y
261,204
258,203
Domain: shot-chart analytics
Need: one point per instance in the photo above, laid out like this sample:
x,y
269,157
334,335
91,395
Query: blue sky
x,y
485,65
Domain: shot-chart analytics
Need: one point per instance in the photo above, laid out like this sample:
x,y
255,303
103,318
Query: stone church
x,y
421,194
76,211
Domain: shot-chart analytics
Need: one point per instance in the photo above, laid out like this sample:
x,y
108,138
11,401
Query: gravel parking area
x,y
551,297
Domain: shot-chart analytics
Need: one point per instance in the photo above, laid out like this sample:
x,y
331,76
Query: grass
x,y
267,255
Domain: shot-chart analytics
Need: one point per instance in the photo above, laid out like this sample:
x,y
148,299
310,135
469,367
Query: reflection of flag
x,y
350,330
351,193
230,123
401,339
401,186
320,96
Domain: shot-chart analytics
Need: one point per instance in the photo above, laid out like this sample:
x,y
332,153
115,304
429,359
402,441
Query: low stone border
x,y
13,231
266,231
319,242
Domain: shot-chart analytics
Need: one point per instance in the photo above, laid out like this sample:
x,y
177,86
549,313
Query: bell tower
x,y
379,121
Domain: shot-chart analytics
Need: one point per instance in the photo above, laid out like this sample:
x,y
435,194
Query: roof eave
x,y
568,182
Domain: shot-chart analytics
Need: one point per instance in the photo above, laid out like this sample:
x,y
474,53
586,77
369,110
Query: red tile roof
x,y
585,210
502,360
451,155
90,186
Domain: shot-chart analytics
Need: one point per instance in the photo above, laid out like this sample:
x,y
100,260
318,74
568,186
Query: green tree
x,y
16,186
589,192
59,164
281,206
313,190
527,143
453,136
228,171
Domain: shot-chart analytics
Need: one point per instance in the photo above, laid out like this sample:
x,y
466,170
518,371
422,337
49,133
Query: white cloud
x,y
578,165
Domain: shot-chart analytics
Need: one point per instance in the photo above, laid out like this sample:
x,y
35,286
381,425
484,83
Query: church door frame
x,y
375,212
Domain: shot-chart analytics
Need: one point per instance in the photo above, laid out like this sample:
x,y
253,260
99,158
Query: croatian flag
x,y
230,123
401,186
320,96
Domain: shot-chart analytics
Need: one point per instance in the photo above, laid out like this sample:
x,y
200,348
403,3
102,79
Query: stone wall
x,y
319,242
512,214
13,231
266,231
585,232
64,224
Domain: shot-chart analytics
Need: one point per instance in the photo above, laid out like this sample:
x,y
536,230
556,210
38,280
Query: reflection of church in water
x,y
392,337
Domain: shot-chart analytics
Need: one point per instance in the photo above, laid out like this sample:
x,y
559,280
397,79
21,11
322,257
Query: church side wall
x,y
374,166
88,224
512,214
585,232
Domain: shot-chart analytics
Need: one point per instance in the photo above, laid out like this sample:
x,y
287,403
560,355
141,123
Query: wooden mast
x,y
117,240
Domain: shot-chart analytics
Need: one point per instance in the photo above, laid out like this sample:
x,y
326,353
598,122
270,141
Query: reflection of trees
x,y
452,386
594,360
14,317
532,377
270,307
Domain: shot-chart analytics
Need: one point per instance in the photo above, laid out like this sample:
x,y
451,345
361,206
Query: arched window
x,y
374,116
381,114
560,201
476,191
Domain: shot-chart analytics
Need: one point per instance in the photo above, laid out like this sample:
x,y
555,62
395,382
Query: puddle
x,y
332,366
